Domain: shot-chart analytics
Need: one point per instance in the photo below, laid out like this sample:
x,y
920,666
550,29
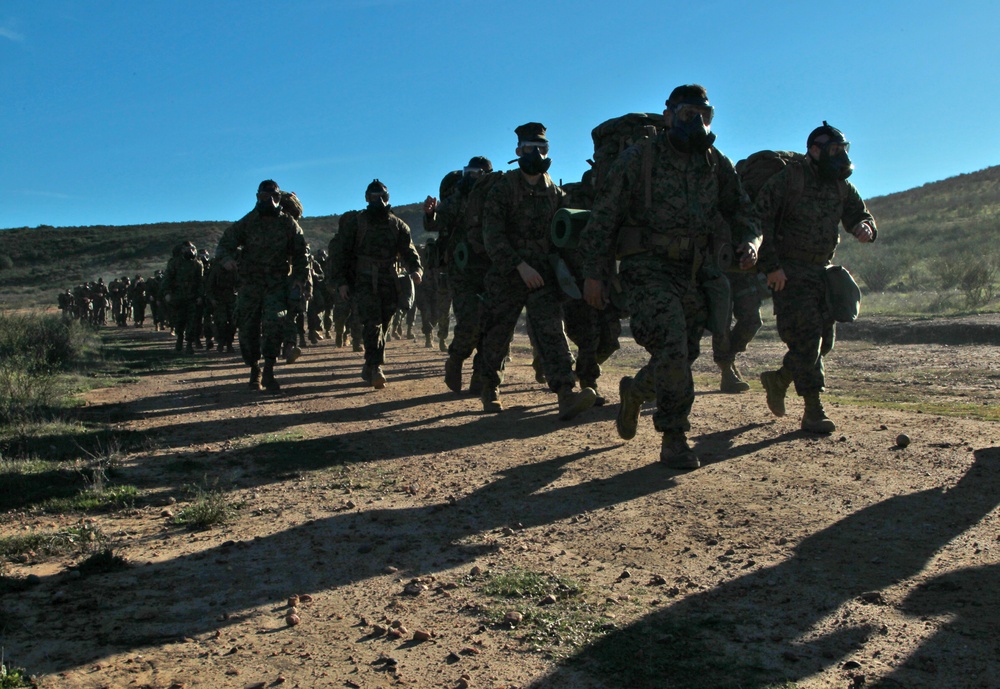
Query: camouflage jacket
x,y
517,221
272,246
448,221
690,197
220,284
183,279
366,246
810,226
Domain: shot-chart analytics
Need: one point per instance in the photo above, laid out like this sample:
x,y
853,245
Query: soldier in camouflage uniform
x,y
453,217
220,295
442,220
272,264
182,292
801,209
744,321
206,327
138,296
426,298
516,229
318,308
661,203
364,255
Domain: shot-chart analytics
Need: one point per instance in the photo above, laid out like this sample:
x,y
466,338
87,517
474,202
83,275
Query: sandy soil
x,y
833,561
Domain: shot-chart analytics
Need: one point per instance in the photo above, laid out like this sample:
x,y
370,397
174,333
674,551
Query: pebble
x,y
292,619
513,617
421,635
902,440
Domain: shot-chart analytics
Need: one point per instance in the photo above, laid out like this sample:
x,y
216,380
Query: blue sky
x,y
123,112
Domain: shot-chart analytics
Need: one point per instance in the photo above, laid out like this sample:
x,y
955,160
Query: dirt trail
x,y
832,561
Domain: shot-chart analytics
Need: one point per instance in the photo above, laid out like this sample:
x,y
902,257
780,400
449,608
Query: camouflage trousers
x,y
320,316
805,325
467,288
444,298
225,322
595,333
668,317
375,308
184,319
261,312
139,311
744,317
426,303
506,295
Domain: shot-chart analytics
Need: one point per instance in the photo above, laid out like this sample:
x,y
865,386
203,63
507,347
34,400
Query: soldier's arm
x,y
770,201
297,252
341,250
408,252
611,205
229,242
856,214
736,206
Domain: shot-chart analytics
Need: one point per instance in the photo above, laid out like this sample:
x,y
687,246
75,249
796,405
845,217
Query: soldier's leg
x,y
443,311
505,299
582,328
247,315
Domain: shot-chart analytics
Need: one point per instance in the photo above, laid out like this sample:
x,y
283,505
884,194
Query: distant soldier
x,y
272,264
66,304
364,256
138,297
220,297
516,231
182,290
155,300
319,312
802,209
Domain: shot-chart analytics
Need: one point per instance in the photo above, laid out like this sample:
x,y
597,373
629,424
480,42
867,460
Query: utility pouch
x,y
843,296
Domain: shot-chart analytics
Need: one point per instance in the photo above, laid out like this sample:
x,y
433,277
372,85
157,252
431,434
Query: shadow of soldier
x,y
760,629
141,606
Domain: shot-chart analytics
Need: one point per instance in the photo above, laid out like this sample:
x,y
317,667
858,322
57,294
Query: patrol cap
x,y
694,94
532,131
480,163
376,187
831,134
268,186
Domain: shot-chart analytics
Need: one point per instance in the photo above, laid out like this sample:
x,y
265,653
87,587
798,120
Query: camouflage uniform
x,y
273,248
220,293
516,228
182,290
744,317
688,196
809,235
426,301
363,256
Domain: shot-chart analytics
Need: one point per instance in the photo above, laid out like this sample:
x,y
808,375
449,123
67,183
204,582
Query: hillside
x,y
37,263
931,238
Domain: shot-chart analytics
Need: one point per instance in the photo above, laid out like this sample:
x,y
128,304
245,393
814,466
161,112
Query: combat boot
x,y
180,343
220,348
601,400
366,374
491,400
427,341
358,347
189,349
814,419
314,337
572,403
409,332
453,374
732,382
291,352
255,377
536,364
676,453
209,344
378,378
776,385
338,339
267,379
629,407
443,344
476,383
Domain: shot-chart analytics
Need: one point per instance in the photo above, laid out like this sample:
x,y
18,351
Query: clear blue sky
x,y
122,112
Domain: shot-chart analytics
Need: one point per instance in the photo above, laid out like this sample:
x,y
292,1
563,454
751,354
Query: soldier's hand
x,y
532,278
863,231
747,254
229,264
776,279
430,205
417,278
593,293
344,292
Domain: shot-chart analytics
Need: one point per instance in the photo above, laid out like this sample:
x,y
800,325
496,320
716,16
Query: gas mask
x,y
834,163
534,158
691,129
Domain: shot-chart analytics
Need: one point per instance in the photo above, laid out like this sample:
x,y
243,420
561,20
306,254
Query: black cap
x,y
694,94
831,134
481,163
532,131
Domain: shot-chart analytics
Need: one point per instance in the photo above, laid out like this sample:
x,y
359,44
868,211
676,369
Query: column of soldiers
x,y
672,240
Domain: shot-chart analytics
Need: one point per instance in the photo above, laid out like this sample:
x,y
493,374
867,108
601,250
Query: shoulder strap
x,y
362,230
647,171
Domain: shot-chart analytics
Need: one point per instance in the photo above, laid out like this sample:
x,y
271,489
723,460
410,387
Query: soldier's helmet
x,y
377,190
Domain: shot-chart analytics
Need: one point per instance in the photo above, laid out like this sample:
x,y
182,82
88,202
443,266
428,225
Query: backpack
x,y
474,210
756,169
615,135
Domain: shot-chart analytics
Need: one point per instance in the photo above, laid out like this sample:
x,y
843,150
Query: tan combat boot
x,y
453,374
491,400
267,378
776,385
814,419
255,378
427,341
676,453
378,378
291,352
732,382
573,403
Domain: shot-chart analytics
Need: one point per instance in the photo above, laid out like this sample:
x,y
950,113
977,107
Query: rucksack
x,y
474,210
756,169
615,135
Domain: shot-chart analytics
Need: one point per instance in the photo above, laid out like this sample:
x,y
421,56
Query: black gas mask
x,y
534,158
691,128
834,163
